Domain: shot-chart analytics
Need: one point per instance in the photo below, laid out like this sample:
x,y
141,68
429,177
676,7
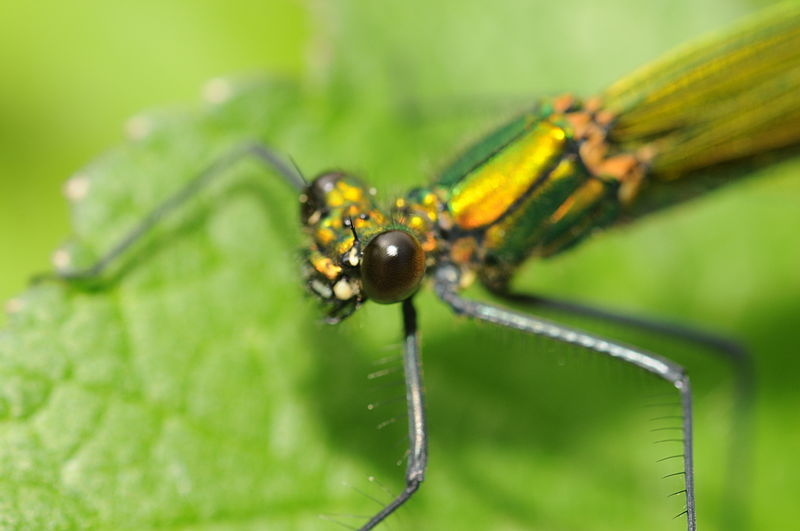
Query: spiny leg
x,y
417,433
730,351
447,285
268,158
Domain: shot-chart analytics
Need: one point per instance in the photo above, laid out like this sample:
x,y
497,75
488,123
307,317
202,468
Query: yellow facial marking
x,y
344,245
325,236
334,199
325,266
350,193
417,224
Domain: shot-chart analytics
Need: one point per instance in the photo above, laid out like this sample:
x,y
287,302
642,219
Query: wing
x,y
716,109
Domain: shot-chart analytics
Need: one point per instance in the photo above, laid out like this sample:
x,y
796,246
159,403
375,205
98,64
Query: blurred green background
x,y
73,73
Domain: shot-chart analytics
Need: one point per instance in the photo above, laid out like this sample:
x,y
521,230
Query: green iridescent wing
x,y
715,109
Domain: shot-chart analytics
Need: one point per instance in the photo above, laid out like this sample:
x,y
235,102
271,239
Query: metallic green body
x,y
695,120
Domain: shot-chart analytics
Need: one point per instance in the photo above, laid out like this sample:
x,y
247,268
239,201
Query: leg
x,y
417,434
730,350
734,514
446,285
262,154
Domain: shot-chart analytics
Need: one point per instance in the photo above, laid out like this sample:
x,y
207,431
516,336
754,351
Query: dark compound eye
x,y
324,183
392,266
315,193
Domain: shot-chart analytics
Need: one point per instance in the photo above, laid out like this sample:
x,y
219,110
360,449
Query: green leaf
x,y
150,401
195,388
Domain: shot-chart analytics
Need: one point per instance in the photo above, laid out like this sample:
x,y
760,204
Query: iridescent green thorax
x,y
536,186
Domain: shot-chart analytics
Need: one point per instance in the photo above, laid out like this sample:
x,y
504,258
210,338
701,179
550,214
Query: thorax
x,y
534,187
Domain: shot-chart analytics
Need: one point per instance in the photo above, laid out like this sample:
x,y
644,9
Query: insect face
x,y
355,254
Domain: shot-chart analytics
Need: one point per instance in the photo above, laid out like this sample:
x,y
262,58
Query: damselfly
x,y
536,187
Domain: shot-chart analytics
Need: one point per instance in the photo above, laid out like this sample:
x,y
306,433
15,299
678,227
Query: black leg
x,y
417,434
734,513
254,150
730,350
447,284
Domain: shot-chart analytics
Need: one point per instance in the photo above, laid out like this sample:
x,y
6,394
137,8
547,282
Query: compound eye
x,y
315,193
392,266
